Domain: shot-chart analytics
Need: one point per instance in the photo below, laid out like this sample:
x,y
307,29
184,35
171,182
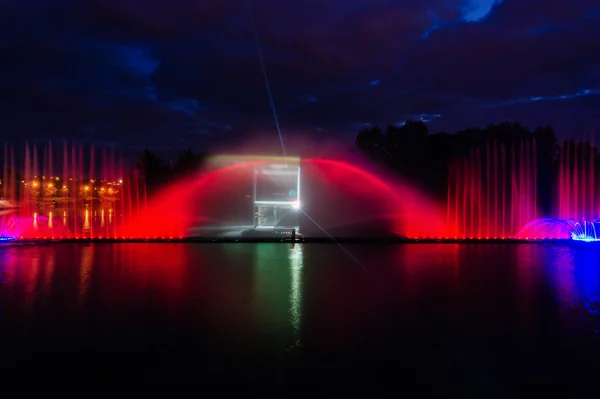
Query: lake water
x,y
486,320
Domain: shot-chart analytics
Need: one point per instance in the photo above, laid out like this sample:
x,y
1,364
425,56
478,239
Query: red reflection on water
x,y
463,284
78,278
31,278
85,273
49,267
138,273
528,282
422,269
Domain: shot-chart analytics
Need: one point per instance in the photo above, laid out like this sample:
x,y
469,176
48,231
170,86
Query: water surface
x,y
489,319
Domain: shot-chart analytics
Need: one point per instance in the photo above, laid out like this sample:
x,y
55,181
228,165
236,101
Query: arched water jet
x,y
10,227
347,200
208,200
344,200
583,230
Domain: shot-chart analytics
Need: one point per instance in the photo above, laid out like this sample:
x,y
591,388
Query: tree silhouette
x,y
425,159
188,162
151,170
371,141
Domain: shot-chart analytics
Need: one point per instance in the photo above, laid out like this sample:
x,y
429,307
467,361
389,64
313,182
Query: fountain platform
x,y
288,240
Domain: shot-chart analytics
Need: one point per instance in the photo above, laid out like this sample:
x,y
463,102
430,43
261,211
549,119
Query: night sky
x,y
187,73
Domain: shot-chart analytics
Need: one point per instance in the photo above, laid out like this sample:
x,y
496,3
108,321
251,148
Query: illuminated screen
x,y
277,186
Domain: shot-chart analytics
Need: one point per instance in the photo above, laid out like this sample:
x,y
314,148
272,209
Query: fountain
x,y
493,192
562,229
327,198
576,213
344,199
585,231
6,205
7,229
66,192
577,181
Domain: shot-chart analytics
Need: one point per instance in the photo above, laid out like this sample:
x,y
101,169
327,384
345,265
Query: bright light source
x,y
296,205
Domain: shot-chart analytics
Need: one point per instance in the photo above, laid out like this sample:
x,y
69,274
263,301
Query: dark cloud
x,y
188,73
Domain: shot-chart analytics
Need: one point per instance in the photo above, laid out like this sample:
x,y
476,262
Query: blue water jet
x,y
577,230
585,230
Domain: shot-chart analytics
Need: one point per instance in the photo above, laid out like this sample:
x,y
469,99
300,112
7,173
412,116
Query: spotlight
x,y
296,205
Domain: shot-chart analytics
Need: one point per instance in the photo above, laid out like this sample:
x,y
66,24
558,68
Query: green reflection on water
x,y
278,289
296,264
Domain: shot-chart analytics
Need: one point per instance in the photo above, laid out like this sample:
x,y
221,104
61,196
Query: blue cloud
x,y
559,97
477,10
425,118
138,60
472,11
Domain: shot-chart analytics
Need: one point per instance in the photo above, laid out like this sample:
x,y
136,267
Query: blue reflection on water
x,y
587,275
576,271
3,261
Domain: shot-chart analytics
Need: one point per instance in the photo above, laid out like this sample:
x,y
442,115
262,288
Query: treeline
x,y
154,171
427,158
411,151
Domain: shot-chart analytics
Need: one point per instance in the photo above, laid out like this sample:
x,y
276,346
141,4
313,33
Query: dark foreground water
x,y
483,320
